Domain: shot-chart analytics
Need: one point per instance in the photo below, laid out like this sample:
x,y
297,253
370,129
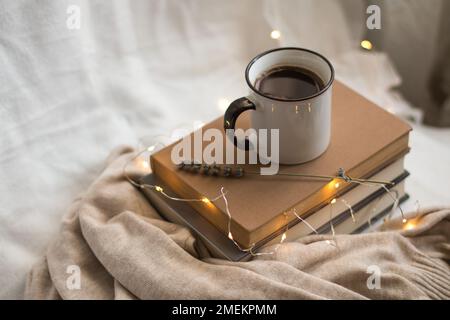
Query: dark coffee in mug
x,y
289,82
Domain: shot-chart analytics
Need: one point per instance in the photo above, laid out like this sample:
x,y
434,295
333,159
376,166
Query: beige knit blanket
x,y
114,245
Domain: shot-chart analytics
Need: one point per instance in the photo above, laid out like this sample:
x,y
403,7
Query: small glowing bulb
x,y
206,200
159,189
151,148
404,220
366,44
230,236
336,185
275,34
223,104
333,201
283,237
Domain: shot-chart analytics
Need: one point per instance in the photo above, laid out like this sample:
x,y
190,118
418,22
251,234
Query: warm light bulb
x,y
283,237
333,201
404,220
275,34
159,189
206,200
336,185
223,104
151,148
366,44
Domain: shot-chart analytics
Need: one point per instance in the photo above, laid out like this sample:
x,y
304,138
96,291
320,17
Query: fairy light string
x,y
222,196
352,213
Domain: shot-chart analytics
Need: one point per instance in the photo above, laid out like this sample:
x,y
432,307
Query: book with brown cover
x,y
368,205
364,139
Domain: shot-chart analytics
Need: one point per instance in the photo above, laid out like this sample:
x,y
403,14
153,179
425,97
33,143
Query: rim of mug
x,y
252,62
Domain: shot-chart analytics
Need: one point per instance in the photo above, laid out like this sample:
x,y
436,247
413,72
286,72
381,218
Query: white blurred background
x,y
135,69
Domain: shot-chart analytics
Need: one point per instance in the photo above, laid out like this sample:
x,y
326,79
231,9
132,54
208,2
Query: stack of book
x,y
367,141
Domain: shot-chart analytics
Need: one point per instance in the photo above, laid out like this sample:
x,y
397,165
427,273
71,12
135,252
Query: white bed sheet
x,y
140,68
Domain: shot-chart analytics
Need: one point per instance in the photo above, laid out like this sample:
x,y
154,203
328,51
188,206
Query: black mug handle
x,y
234,110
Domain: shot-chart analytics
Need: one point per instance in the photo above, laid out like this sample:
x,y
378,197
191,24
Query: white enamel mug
x,y
304,124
